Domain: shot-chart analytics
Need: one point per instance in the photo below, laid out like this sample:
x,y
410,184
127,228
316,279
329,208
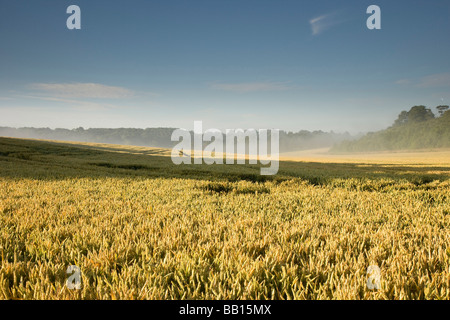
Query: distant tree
x,y
416,114
402,118
419,114
442,109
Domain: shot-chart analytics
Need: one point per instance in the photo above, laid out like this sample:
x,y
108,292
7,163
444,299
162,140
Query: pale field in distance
x,y
425,157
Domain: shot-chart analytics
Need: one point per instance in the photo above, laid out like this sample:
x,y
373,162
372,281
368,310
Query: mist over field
x,y
161,137
418,128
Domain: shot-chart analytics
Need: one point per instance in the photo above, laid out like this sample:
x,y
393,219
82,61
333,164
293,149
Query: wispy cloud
x,y
251,86
435,80
324,22
438,80
72,103
82,90
403,82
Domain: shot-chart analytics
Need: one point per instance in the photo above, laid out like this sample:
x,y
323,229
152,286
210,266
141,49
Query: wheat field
x,y
140,227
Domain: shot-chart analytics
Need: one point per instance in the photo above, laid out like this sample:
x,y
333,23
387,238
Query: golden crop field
x,y
140,227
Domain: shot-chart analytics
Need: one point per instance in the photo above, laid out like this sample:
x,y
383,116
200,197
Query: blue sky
x,y
290,65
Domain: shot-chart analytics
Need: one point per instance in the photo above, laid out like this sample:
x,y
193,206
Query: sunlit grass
x,y
140,227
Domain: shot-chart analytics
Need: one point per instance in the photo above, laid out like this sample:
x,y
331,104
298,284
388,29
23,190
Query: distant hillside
x,y
161,137
418,128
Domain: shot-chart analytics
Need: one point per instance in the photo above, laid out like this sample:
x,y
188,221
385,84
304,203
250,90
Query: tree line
x,y
418,128
161,137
